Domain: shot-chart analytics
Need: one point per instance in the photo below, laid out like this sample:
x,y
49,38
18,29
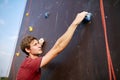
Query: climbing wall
x,y
85,58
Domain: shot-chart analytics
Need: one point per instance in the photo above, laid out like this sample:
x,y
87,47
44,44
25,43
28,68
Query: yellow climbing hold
x,y
17,54
30,28
27,14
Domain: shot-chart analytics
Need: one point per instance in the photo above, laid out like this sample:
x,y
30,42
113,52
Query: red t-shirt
x,y
30,69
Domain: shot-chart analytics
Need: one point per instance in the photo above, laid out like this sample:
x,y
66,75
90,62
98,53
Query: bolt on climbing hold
x,y
30,28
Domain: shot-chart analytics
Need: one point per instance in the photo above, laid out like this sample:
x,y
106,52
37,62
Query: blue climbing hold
x,y
87,18
47,15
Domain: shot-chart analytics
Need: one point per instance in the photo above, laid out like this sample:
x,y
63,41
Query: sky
x,y
11,14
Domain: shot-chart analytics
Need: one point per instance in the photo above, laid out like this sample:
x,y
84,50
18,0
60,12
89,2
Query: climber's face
x,y
35,48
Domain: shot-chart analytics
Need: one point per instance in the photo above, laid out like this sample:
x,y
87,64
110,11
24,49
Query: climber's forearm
x,y
63,41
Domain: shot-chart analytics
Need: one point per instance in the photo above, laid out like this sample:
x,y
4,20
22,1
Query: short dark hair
x,y
26,43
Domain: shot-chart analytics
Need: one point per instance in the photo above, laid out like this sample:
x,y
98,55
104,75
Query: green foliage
x,y
3,78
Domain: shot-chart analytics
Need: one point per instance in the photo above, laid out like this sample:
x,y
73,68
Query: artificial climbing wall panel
x,y
85,57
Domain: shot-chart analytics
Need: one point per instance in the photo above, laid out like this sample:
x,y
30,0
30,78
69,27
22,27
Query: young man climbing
x,y
30,68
